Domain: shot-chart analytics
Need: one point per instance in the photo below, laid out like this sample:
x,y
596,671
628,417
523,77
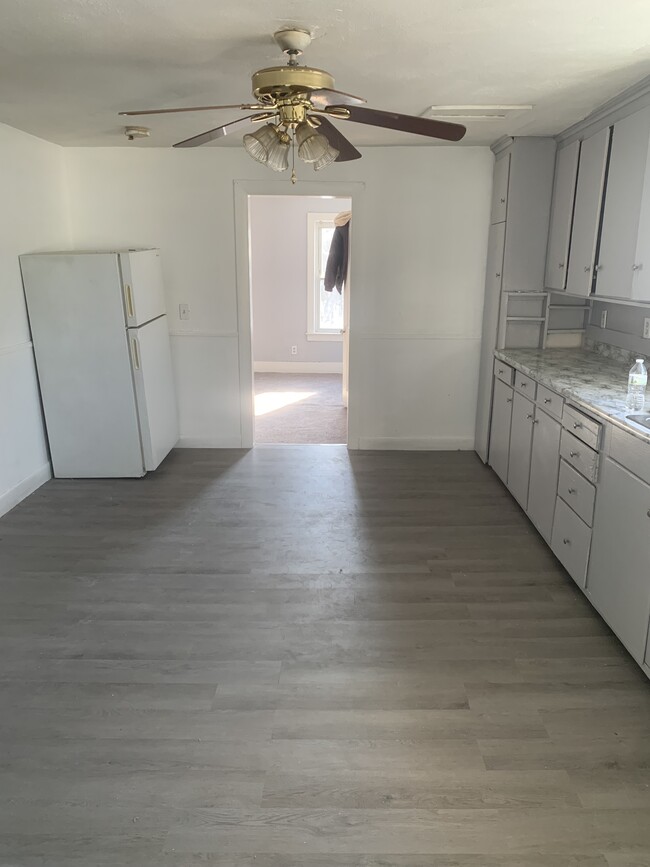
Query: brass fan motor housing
x,y
281,82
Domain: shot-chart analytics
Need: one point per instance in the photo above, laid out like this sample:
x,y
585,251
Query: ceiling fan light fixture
x,y
278,153
258,143
312,145
327,159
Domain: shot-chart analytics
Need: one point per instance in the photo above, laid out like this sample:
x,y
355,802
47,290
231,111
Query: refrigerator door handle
x,y
130,312
136,354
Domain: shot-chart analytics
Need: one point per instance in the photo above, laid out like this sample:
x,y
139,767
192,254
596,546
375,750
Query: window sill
x,y
319,335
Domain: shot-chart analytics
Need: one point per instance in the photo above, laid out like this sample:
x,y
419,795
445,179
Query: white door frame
x,y
243,191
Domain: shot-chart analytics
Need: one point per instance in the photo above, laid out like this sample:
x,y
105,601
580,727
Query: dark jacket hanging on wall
x,y
336,269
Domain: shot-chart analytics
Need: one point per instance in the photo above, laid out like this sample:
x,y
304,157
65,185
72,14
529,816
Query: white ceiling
x,y
68,66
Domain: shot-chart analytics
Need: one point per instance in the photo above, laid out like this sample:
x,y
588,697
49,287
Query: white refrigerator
x,y
103,357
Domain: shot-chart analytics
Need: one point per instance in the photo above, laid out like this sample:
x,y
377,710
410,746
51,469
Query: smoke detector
x,y
134,132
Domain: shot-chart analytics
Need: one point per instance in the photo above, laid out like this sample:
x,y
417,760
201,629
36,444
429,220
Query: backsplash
x,y
624,331
616,353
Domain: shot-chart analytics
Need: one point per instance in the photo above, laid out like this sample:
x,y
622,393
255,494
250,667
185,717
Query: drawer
x,y
585,428
576,492
571,541
579,455
503,371
631,452
550,402
525,384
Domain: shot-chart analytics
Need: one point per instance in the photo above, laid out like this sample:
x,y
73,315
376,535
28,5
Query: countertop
x,y
587,379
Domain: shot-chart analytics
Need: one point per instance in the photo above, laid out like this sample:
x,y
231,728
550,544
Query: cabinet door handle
x,y
637,267
529,415
587,268
547,399
503,201
573,454
572,490
576,425
523,384
535,421
500,370
508,400
566,541
560,265
497,274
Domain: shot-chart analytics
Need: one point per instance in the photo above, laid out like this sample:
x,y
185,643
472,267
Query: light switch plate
x,y
183,311
603,319
646,327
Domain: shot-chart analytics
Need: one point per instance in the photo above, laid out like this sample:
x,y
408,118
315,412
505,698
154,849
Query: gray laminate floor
x,y
292,657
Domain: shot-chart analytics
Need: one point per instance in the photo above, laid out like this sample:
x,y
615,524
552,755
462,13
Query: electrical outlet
x,y
183,311
646,327
603,319
294,350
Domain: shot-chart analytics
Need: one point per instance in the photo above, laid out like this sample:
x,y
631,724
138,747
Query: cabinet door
x,y
500,189
500,429
544,467
586,214
491,306
621,215
564,191
618,580
521,437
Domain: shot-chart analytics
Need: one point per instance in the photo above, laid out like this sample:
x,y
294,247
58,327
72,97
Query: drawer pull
x,y
523,384
508,400
529,415
574,454
503,201
500,370
587,268
535,421
576,425
548,399
560,265
566,541
572,491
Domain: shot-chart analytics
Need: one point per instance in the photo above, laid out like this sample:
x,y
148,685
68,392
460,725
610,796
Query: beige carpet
x,y
299,408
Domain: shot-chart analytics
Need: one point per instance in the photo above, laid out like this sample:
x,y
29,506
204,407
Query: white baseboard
x,y
298,367
418,444
23,489
207,443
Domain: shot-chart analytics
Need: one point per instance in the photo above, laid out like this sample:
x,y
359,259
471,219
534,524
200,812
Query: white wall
x,y
279,279
418,258
33,217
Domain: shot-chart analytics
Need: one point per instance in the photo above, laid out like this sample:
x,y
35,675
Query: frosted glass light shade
x,y
278,155
328,157
312,145
258,143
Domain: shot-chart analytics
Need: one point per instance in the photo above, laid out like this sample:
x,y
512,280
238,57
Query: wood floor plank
x,y
304,657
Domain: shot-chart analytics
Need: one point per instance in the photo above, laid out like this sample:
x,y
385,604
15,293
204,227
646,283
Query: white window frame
x,y
314,222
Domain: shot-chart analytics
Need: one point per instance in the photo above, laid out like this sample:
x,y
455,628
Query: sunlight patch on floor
x,y
270,401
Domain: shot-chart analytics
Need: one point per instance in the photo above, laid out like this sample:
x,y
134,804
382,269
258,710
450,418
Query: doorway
x,y
299,289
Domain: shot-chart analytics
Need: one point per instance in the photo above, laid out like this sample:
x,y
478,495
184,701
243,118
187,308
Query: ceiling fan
x,y
298,102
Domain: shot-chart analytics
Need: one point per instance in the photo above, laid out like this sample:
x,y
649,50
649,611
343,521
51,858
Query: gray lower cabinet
x,y
500,429
544,467
618,580
521,440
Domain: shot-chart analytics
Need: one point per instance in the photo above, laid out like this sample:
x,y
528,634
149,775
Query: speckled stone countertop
x,y
586,379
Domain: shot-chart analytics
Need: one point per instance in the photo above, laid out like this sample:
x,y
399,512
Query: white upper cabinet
x,y
586,215
624,242
564,190
500,189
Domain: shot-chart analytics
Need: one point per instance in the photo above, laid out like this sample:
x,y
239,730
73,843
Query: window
x,y
324,309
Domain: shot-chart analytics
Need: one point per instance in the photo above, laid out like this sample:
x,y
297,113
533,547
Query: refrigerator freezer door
x,y
154,386
82,356
142,285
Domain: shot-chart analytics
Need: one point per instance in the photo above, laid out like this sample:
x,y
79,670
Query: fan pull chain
x,y
293,158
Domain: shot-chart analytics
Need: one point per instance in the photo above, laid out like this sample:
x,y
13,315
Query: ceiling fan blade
x,y
220,131
346,149
324,96
192,108
407,123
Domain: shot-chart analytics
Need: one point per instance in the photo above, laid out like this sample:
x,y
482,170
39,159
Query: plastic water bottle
x,y
636,383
